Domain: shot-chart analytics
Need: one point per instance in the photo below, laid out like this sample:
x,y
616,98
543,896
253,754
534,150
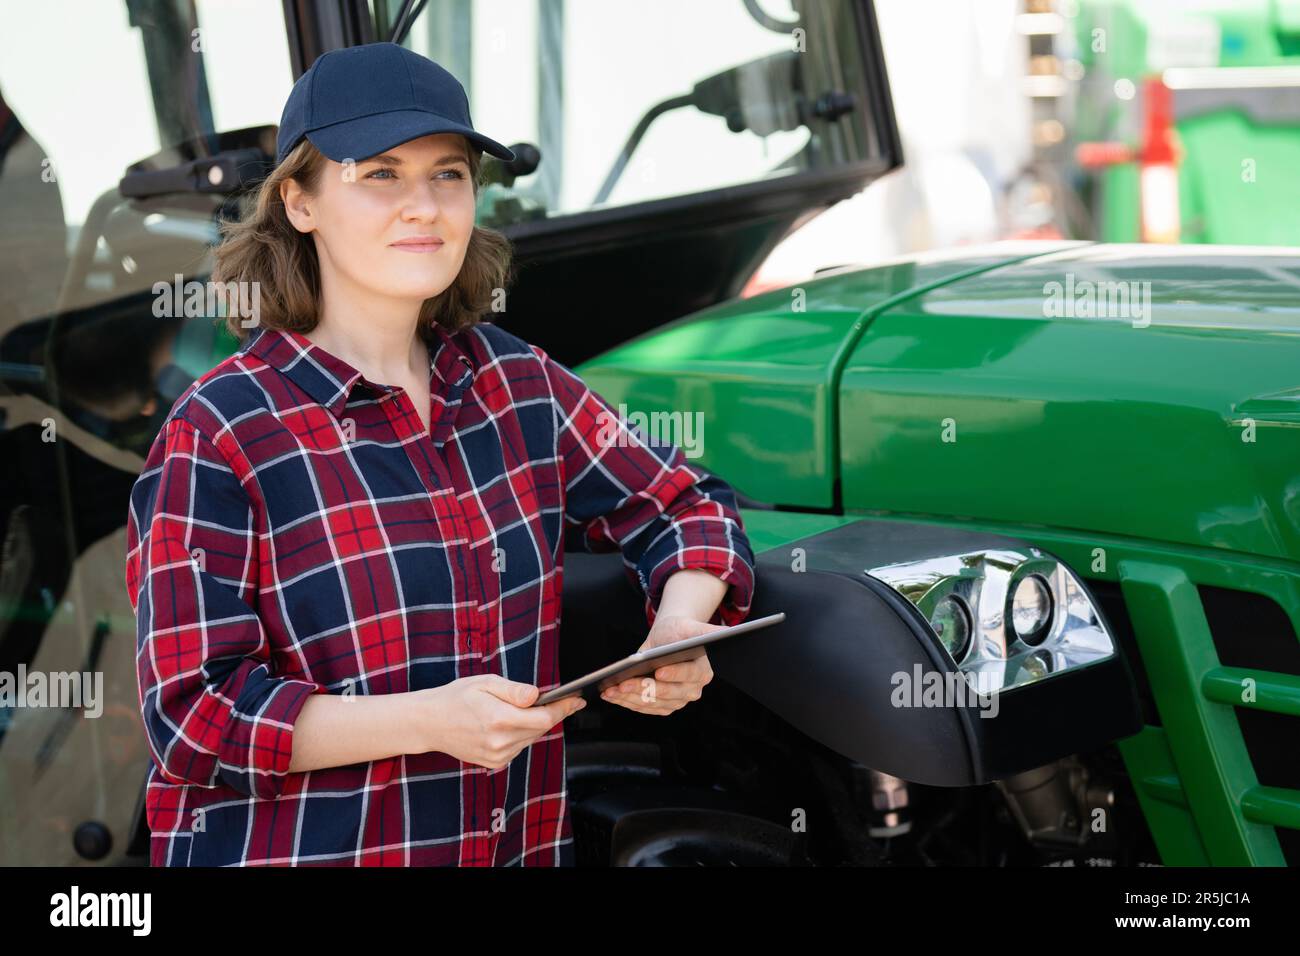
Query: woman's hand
x,y
673,686
486,719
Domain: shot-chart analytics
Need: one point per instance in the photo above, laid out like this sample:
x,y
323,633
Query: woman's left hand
x,y
673,686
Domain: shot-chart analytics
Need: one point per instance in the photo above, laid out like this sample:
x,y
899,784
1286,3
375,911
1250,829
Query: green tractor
x,y
964,444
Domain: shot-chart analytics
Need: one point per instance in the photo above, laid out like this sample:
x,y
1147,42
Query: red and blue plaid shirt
x,y
296,532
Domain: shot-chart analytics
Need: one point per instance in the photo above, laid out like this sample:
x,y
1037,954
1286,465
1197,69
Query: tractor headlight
x,y
1030,609
1005,616
952,623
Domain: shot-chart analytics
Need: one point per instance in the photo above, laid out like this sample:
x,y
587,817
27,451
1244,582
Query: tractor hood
x,y
1073,385
1141,390
762,373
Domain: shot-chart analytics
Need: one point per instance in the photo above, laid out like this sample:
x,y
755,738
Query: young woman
x,y
345,549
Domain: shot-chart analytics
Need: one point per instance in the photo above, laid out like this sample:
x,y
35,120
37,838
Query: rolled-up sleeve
x,y
624,492
214,712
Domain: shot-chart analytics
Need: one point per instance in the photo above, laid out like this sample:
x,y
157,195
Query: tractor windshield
x,y
630,102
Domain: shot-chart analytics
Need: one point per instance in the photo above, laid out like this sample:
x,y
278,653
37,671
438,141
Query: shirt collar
x,y
329,380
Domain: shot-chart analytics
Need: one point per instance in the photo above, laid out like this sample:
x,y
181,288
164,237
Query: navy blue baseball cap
x,y
357,101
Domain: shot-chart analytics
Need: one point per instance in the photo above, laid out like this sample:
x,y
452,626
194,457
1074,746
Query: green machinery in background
x,y
1185,118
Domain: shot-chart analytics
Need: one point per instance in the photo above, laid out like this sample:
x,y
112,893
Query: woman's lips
x,y
418,245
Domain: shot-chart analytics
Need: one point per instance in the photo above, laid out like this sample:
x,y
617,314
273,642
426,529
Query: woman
x,y
345,548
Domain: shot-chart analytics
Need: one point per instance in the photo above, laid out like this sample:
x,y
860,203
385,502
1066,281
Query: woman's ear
x,y
296,205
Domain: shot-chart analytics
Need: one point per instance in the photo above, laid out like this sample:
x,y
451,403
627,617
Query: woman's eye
x,y
453,173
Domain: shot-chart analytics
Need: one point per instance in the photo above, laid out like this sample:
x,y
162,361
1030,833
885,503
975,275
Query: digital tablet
x,y
648,661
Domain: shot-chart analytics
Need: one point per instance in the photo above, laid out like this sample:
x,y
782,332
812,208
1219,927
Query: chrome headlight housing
x,y
1029,615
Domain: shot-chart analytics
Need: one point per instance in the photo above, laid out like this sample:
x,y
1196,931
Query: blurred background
x,y
1114,120
1108,120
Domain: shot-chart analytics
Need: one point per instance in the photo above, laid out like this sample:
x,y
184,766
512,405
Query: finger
x,y
512,692
548,715
638,699
531,722
634,702
658,689
696,670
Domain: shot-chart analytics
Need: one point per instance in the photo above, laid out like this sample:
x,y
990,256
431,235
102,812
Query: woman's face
x,y
396,224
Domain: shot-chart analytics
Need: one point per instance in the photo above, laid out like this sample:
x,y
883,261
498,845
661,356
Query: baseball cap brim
x,y
367,136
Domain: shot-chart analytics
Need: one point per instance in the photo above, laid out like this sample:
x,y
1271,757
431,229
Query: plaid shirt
x,y
295,532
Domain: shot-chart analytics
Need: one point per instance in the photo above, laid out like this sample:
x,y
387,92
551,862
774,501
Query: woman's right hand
x,y
485,719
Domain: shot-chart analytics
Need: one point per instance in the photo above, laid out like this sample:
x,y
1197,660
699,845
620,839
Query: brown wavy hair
x,y
264,247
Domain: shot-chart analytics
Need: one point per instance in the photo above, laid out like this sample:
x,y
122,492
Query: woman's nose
x,y
420,202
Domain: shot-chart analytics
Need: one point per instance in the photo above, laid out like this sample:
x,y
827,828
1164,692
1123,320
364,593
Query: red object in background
x,y
1158,144
1159,141
1157,158
1158,165
1100,155
1046,231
